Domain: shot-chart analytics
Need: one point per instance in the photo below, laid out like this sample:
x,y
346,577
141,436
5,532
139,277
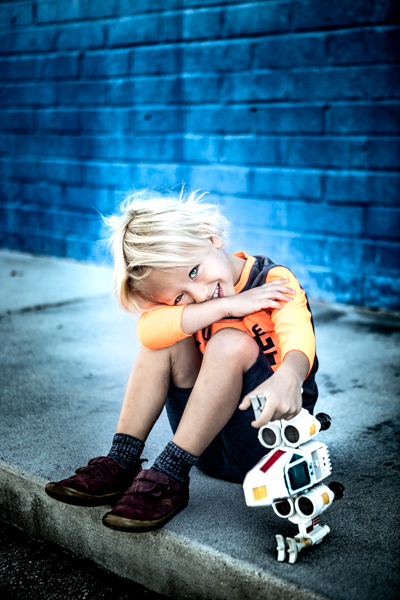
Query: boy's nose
x,y
200,294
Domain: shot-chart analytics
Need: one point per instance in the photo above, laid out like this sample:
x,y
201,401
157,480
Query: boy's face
x,y
214,277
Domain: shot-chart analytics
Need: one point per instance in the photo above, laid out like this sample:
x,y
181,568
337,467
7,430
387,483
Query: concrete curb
x,y
163,561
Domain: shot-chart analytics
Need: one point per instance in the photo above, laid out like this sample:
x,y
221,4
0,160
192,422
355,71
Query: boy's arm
x,y
297,343
167,325
161,327
282,390
293,323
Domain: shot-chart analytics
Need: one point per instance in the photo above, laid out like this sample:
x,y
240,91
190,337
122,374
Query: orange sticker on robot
x,y
260,492
312,429
325,497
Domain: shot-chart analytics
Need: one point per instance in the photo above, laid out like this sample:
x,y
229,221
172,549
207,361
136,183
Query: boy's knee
x,y
234,345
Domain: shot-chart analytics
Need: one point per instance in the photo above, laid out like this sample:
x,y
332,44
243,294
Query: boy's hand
x,y
282,390
268,295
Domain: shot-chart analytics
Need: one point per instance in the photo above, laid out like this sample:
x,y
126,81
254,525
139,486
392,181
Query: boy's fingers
x,y
283,280
281,296
245,403
277,282
265,417
283,290
273,304
273,287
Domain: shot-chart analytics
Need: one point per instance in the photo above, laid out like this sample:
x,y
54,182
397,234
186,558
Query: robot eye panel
x,y
299,476
283,508
306,507
291,434
270,435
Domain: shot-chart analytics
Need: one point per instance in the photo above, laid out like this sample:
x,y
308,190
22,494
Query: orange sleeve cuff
x,y
161,327
293,321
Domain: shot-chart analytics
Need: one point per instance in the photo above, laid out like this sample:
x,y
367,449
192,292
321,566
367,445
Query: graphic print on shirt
x,y
266,344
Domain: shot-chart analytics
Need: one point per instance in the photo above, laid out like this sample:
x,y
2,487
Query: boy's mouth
x,y
219,292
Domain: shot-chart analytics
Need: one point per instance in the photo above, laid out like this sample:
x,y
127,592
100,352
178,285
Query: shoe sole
x,y
71,496
135,526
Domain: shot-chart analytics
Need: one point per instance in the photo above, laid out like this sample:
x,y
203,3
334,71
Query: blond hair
x,y
154,230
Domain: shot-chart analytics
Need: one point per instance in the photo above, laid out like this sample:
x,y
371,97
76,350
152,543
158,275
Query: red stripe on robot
x,y
272,460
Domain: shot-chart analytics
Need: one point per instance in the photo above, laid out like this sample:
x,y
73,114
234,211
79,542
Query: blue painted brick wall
x,y
287,111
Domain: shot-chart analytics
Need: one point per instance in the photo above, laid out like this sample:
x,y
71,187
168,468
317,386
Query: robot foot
x,y
293,549
281,547
289,548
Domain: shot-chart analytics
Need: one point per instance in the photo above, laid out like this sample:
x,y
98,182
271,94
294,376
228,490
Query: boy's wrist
x,y
227,306
224,305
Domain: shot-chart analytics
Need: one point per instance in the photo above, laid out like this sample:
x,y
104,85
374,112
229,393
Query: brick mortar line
x,y
259,104
218,136
219,167
201,41
182,74
110,19
284,102
281,167
196,40
207,136
222,137
187,75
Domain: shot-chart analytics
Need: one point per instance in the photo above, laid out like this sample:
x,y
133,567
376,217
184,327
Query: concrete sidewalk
x,y
66,353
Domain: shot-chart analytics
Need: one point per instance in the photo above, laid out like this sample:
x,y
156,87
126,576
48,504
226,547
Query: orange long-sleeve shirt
x,y
277,332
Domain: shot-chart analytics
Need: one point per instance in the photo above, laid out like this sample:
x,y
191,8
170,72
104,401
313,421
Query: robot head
x,y
295,432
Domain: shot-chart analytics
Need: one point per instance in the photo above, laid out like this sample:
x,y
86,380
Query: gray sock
x,y
126,450
175,462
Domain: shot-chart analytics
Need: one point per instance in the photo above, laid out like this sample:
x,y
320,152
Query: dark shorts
x,y
236,449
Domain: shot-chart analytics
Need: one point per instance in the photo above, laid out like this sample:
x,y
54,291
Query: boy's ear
x,y
216,241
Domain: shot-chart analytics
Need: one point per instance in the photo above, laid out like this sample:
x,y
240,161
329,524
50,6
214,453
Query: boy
x,y
215,328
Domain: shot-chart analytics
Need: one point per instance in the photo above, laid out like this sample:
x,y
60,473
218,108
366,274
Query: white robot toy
x,y
290,477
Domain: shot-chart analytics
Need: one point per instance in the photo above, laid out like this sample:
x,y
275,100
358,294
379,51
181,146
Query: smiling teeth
x,y
216,292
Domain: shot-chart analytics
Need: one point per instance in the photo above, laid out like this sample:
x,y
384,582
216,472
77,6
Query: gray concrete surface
x,y
33,568
66,351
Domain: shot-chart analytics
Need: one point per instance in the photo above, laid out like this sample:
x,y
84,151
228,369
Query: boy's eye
x,y
193,273
178,298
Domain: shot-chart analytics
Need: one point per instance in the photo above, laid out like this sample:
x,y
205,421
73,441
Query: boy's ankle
x,y
126,451
174,462
171,475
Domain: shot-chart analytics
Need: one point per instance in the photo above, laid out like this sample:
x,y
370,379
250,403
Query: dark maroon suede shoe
x,y
150,502
102,481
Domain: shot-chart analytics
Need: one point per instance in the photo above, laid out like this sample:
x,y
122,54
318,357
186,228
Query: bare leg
x,y
148,384
215,396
